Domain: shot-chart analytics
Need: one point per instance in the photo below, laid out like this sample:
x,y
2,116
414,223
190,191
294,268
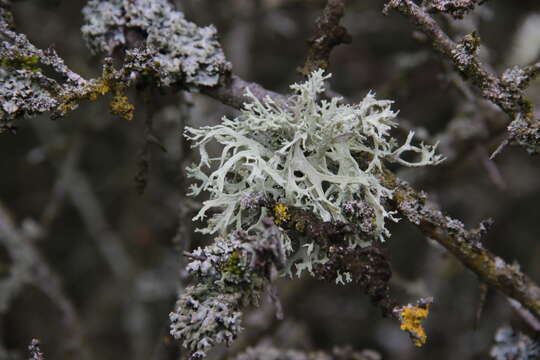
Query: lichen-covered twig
x,y
505,91
196,61
305,155
367,266
172,49
465,245
233,273
328,35
456,8
25,90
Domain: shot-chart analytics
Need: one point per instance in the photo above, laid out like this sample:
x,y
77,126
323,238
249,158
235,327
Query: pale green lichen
x,y
314,155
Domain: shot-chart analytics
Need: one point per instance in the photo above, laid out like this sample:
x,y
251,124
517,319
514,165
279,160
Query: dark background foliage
x,y
69,187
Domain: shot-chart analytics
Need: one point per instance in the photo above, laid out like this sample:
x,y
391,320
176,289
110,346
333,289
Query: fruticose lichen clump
x,y
320,156
284,164
163,42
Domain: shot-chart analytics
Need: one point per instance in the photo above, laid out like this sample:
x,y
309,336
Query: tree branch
x,y
465,245
29,268
328,35
232,92
505,91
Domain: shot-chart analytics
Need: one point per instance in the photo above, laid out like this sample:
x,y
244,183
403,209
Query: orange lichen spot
x,y
120,106
411,318
281,214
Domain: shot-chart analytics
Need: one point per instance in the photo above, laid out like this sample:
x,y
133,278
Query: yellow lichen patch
x,y
120,106
95,90
70,101
281,214
411,318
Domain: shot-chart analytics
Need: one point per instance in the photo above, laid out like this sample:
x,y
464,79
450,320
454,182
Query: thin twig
x,y
328,35
525,314
29,267
81,194
491,168
58,196
233,92
500,148
144,156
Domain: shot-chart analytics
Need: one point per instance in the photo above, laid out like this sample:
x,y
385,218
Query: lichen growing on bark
x,y
175,50
25,90
232,274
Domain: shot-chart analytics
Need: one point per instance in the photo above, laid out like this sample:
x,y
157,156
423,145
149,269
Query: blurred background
x,y
92,268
